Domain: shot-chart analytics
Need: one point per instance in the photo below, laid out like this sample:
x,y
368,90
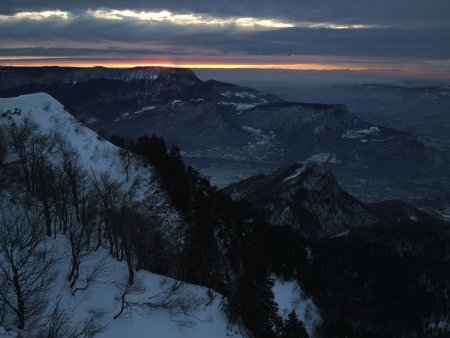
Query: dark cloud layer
x,y
396,31
391,12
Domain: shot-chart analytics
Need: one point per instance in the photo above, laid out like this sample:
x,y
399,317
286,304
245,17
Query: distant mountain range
x,y
210,119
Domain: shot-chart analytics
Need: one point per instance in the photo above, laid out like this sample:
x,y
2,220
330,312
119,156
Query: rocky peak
x,y
306,198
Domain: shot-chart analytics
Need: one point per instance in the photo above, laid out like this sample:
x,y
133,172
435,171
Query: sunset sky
x,y
409,36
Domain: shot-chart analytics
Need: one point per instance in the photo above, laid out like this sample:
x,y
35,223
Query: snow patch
x,y
121,117
360,133
245,95
289,296
176,103
143,110
412,216
240,107
258,134
252,130
295,174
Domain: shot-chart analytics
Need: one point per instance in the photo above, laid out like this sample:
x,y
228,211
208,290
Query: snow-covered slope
x,y
95,155
198,315
154,305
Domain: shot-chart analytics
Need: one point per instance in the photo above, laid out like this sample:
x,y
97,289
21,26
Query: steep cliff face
x,y
13,77
306,198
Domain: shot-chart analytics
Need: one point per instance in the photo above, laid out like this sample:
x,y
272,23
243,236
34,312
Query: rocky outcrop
x,y
306,198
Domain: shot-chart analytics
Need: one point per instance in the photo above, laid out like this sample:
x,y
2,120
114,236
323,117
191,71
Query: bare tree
x,y
61,325
73,172
173,297
61,202
80,247
42,173
111,197
2,157
127,158
91,275
25,266
19,136
128,295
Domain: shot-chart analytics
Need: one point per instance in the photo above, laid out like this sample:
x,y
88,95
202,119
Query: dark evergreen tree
x,y
118,141
253,299
293,327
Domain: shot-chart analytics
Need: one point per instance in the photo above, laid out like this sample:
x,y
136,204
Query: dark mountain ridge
x,y
219,120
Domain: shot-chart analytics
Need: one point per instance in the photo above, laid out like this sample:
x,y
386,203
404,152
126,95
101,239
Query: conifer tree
x,y
293,327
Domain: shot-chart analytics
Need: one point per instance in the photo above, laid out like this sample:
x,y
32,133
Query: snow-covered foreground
x,y
203,317
158,306
289,296
154,306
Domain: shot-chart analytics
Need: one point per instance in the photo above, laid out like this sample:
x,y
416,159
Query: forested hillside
x,y
85,222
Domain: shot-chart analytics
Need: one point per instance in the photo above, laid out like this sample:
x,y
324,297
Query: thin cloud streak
x,y
188,19
41,15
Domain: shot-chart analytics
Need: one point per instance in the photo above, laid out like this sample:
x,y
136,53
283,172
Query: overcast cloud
x,y
391,33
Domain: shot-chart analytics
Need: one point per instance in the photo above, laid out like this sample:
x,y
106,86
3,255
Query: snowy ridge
x,y
96,155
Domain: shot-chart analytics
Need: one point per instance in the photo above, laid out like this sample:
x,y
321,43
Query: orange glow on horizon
x,y
40,61
57,61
